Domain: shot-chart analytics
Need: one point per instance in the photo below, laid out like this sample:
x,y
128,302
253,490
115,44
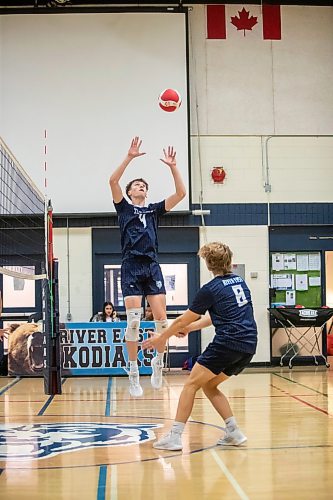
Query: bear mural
x,y
26,349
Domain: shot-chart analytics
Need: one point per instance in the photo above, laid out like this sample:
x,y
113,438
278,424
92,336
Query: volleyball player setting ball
x,y
141,275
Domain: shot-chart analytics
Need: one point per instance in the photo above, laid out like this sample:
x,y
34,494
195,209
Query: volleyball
x,y
169,100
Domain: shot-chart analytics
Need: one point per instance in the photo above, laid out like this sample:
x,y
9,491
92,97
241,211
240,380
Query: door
x,y
181,276
329,298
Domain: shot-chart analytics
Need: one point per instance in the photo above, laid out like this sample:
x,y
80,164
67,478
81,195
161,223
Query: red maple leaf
x,y
244,21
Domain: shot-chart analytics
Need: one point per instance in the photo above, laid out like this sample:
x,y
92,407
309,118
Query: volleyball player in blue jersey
x,y
227,300
141,275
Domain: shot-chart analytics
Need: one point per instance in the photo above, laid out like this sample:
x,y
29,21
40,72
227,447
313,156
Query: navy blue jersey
x,y
228,301
138,228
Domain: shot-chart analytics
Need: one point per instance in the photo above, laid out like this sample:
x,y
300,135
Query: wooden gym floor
x,y
95,442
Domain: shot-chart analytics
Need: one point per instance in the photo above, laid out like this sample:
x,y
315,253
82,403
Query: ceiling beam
x,y
68,4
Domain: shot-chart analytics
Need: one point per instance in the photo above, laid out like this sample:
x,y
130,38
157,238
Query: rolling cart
x,y
312,320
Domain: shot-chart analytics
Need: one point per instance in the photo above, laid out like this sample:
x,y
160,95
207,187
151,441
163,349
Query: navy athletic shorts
x,y
222,360
141,277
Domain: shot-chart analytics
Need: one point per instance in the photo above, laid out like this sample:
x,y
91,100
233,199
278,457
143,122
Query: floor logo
x,y
27,442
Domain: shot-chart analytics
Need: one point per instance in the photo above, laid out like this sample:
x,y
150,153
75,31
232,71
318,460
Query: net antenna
x,y
52,373
26,247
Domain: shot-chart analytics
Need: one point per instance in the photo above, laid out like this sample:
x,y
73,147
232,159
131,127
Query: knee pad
x,y
161,325
133,324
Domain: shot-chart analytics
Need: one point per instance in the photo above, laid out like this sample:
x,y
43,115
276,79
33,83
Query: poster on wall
x,y
25,348
283,281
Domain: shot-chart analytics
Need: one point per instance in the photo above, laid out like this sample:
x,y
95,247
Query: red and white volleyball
x,y
169,100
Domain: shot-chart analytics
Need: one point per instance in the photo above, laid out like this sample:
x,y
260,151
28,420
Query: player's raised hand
x,y
154,342
169,157
134,150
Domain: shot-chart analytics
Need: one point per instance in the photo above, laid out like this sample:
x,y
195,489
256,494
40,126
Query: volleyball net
x,y
28,270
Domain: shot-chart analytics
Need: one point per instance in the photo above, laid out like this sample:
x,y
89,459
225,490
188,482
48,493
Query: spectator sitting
x,y
108,315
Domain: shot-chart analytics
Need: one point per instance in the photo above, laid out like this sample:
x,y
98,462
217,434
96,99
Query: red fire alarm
x,y
218,175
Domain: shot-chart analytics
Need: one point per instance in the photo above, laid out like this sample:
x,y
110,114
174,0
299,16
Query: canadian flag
x,y
219,21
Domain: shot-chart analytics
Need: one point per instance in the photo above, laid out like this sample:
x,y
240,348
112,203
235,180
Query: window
x,y
175,280
112,285
19,292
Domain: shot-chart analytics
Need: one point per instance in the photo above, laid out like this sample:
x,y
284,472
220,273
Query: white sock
x,y
160,356
231,423
133,365
178,427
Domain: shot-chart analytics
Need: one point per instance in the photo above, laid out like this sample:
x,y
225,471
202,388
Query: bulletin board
x,y
295,279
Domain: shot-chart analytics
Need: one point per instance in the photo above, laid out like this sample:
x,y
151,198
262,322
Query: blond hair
x,y
217,256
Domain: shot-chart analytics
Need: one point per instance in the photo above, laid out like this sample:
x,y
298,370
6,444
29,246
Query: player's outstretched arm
x,y
201,323
133,152
170,160
159,341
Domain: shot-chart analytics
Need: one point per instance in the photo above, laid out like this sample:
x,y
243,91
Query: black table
x,y
312,319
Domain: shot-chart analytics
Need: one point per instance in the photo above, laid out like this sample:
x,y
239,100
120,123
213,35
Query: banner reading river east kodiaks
x,y
86,349
100,348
